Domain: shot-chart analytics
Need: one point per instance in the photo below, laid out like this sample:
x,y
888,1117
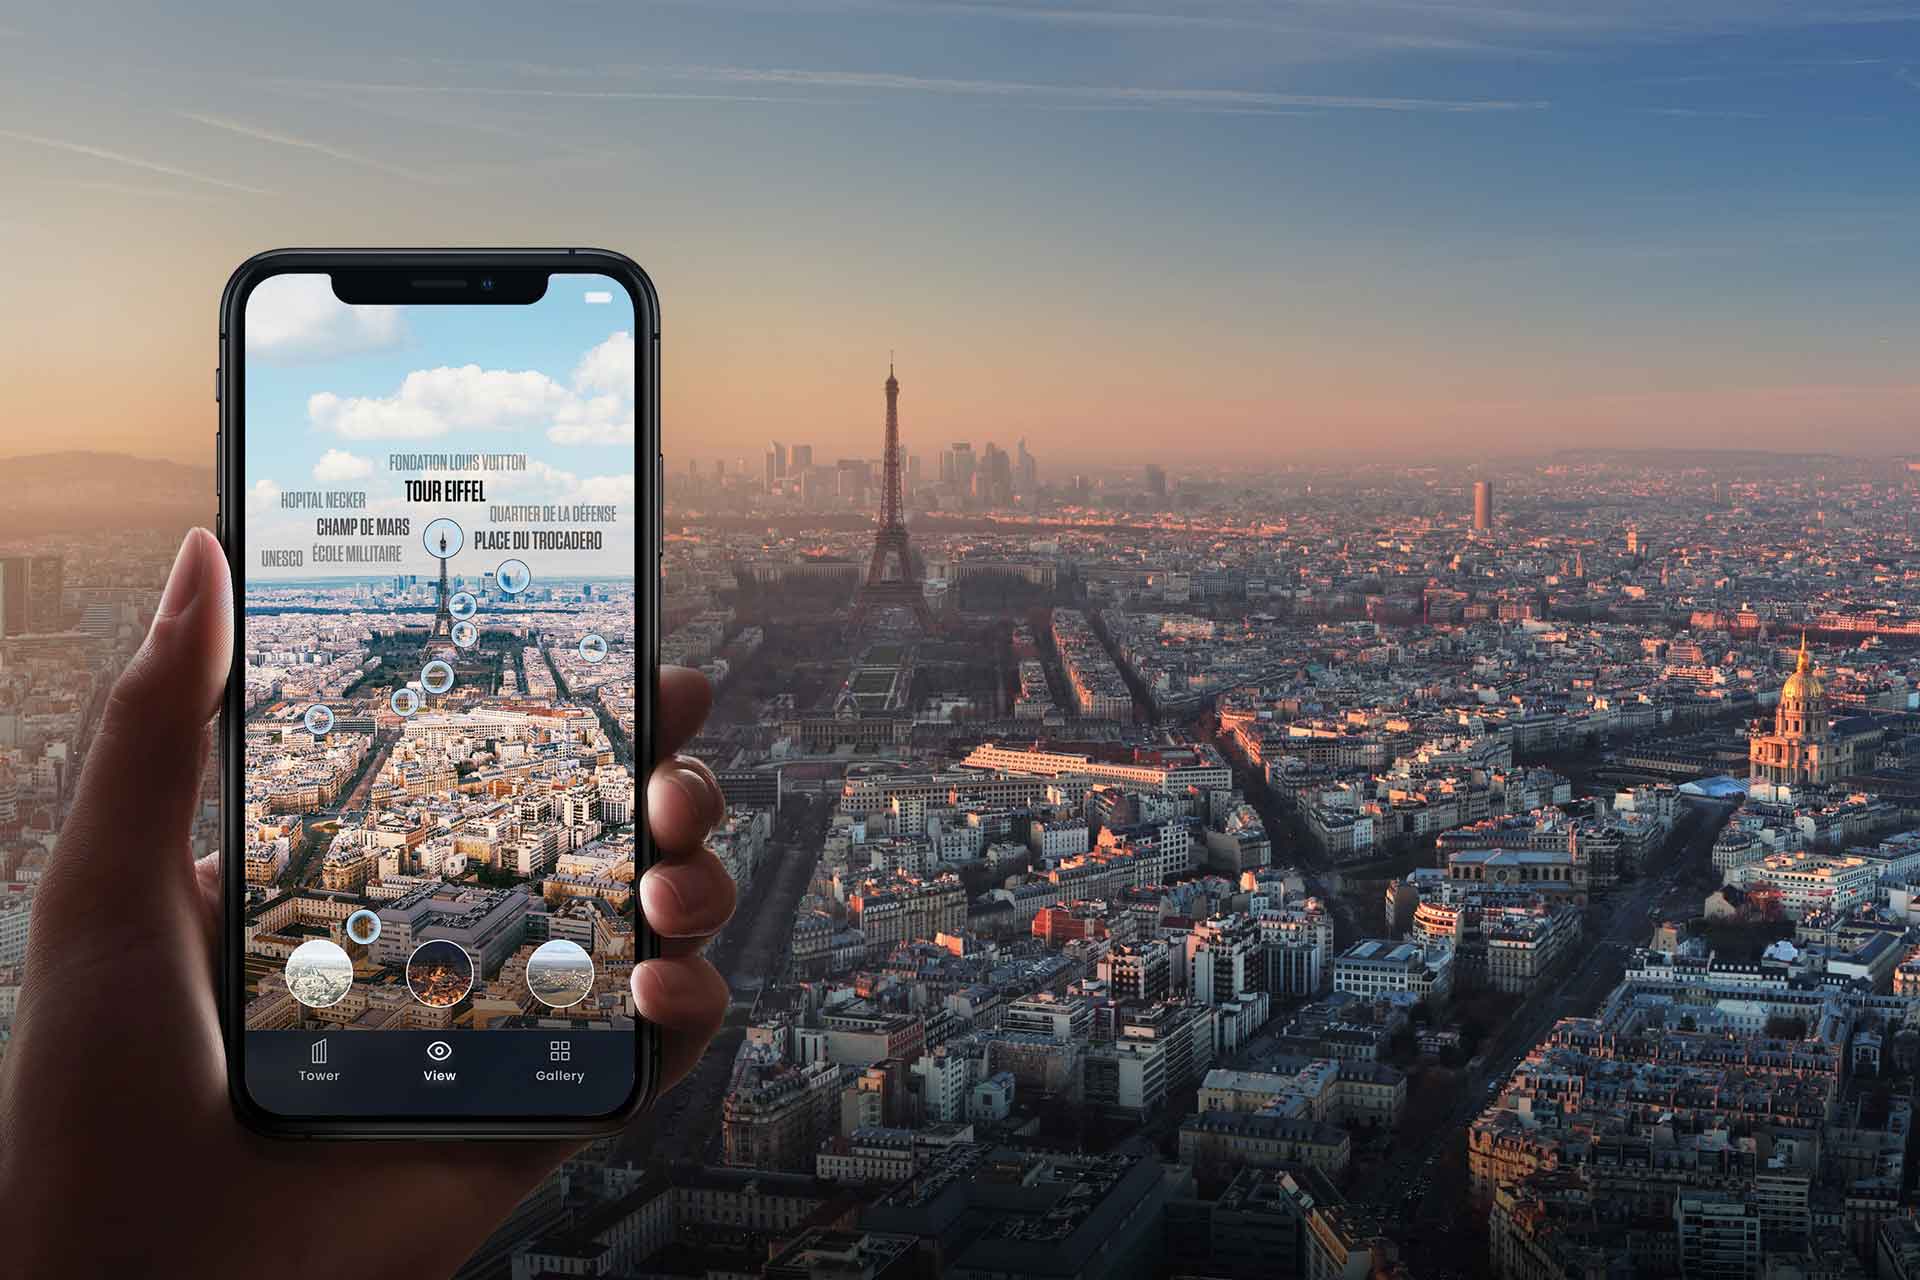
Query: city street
x,y
1616,926
748,952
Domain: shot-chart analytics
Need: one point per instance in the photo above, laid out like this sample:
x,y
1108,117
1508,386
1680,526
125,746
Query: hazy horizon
x,y
1214,231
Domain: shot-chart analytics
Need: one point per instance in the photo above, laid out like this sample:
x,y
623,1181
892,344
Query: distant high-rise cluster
x,y
30,594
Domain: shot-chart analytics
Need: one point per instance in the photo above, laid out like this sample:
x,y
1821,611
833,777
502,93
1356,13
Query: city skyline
x,y
1251,860
1385,224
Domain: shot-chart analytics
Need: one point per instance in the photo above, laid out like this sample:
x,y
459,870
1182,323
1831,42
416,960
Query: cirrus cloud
x,y
594,407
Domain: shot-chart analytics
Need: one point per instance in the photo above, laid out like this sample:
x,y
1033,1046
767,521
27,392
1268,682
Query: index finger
x,y
685,699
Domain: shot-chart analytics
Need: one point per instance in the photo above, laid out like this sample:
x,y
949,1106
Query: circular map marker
x,y
443,538
363,926
463,605
513,576
593,647
319,719
436,677
466,635
405,702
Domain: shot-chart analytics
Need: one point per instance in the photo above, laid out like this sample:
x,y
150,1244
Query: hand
x,y
119,1150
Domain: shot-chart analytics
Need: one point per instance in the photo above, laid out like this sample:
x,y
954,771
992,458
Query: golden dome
x,y
1803,684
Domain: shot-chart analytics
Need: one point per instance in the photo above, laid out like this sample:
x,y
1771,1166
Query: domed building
x,y
1802,749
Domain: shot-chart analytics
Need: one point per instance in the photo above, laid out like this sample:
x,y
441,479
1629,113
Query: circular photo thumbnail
x,y
466,635
443,538
560,974
436,677
404,701
319,973
363,927
319,719
439,973
513,576
462,604
593,647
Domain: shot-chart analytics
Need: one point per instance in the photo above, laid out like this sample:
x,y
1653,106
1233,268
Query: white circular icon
x,y
405,701
462,604
436,677
363,926
593,647
560,974
513,576
439,1051
466,635
443,538
319,719
319,973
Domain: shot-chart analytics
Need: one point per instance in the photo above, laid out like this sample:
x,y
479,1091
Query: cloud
x,y
297,317
301,144
131,162
519,91
604,380
595,408
337,465
263,497
1131,94
550,482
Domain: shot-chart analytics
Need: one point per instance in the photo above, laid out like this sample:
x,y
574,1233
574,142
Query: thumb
x,y
127,834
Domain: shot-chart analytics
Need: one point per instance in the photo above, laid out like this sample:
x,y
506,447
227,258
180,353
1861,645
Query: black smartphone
x,y
439,479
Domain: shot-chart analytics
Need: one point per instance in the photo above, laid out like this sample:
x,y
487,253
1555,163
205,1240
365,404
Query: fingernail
x,y
699,792
184,581
650,987
676,901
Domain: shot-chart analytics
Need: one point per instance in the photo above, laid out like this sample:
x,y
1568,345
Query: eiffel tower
x,y
902,591
443,616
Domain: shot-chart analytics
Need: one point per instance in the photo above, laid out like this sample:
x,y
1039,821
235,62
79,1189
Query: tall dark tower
x,y
903,591
443,616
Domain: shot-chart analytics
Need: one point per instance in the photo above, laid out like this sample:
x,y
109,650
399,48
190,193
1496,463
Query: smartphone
x,y
438,484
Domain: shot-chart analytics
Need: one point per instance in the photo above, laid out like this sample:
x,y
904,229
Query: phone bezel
x,y
229,470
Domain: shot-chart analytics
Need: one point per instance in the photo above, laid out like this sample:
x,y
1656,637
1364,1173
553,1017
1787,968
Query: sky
x,y
1123,230
342,399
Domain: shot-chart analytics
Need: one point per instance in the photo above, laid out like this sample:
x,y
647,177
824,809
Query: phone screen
x,y
441,619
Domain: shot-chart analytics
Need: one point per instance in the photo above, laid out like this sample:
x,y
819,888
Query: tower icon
x,y
443,616
903,590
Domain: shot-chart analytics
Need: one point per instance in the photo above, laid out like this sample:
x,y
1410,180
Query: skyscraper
x,y
1483,505
962,466
776,464
1156,480
800,459
30,594
13,596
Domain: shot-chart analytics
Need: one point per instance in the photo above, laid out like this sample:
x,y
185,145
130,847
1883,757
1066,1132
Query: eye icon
x,y
439,1051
